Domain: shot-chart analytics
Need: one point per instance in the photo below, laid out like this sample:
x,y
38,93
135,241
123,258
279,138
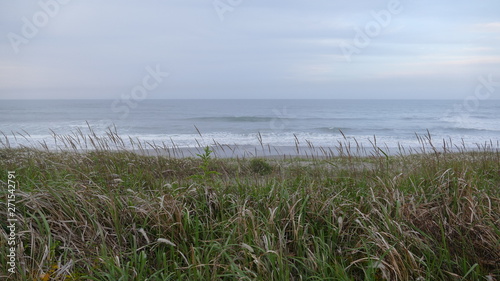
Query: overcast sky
x,y
248,48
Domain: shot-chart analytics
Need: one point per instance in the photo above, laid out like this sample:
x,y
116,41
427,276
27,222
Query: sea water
x,y
272,123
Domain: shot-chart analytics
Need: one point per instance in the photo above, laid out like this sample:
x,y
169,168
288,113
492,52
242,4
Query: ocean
x,y
256,123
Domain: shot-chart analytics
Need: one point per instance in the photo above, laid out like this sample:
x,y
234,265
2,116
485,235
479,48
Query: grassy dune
x,y
107,215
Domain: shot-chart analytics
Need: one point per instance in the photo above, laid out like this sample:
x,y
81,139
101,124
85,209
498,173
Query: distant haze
x,y
155,49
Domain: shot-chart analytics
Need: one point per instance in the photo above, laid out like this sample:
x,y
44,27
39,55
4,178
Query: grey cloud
x,y
261,49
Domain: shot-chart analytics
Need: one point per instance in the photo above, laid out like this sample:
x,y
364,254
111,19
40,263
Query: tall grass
x,y
93,210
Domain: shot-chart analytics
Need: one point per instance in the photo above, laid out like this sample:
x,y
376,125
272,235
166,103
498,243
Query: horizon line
x,y
111,99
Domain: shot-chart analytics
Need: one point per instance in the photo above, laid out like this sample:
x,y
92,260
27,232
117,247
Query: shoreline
x,y
272,152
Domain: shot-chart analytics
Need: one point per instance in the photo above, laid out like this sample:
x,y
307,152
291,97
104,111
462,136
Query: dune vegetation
x,y
117,215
